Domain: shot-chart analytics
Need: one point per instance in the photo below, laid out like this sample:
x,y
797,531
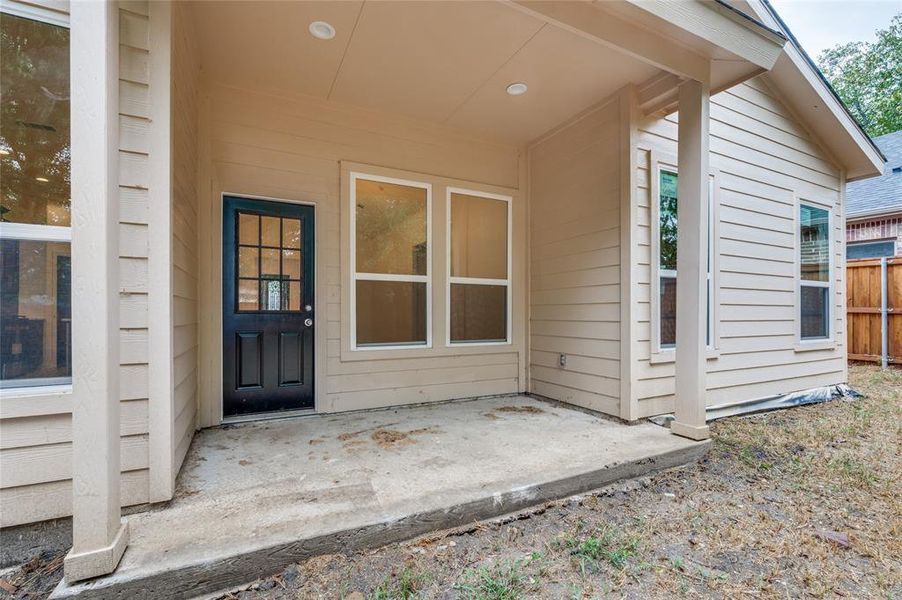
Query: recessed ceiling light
x,y
321,30
41,179
517,89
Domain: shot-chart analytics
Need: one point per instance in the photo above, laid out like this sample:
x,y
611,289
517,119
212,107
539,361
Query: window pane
x,y
391,228
391,312
478,237
248,290
247,262
815,311
271,294
668,311
814,236
293,301
269,265
667,236
34,126
291,264
871,249
248,229
291,233
270,234
35,313
478,313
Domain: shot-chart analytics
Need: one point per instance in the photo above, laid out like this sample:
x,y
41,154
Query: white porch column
x,y
692,252
99,534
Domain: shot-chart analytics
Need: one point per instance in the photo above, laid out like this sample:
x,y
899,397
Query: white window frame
x,y
35,232
355,276
34,12
478,280
813,343
667,353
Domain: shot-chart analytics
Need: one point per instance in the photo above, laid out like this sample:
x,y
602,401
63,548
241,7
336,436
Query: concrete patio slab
x,y
256,497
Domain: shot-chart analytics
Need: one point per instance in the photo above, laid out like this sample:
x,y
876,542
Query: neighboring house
x,y
321,207
874,207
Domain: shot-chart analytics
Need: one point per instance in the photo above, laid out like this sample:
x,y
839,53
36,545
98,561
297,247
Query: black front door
x,y
267,304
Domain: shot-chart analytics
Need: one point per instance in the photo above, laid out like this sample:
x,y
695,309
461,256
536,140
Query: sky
x,y
821,24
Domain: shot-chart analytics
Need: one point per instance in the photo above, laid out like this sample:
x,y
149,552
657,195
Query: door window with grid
x,y
270,269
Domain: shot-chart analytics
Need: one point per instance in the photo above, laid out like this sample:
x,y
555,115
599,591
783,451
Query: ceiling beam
x,y
587,21
719,25
659,94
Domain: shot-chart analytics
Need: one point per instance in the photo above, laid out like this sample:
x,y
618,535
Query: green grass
x,y
500,581
608,545
405,586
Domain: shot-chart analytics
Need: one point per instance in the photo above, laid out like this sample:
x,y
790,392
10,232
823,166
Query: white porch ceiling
x,y
440,61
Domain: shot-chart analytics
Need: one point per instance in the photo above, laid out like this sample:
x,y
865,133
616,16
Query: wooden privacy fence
x,y
874,305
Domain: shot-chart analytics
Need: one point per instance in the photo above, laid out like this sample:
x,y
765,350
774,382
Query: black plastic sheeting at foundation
x,y
812,396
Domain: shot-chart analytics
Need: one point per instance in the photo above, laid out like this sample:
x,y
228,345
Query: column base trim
x,y
95,563
693,432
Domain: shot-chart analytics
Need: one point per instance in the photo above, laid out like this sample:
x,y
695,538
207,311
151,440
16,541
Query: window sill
x,y
364,354
35,390
35,401
664,357
815,345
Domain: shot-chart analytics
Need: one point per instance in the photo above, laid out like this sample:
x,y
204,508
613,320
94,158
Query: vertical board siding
x,y
185,74
35,453
765,160
291,148
575,262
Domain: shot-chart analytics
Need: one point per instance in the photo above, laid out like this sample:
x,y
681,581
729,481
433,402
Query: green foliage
x,y
34,119
868,78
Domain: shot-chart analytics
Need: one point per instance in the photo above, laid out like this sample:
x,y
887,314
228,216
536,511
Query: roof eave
x,y
855,150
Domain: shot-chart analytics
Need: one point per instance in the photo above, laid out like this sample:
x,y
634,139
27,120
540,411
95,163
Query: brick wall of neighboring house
x,y
884,228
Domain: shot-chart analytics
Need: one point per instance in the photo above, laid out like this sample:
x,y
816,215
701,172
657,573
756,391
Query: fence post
x,y
884,319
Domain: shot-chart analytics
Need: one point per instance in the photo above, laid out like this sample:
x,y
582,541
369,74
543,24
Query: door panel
x,y
250,359
268,315
291,359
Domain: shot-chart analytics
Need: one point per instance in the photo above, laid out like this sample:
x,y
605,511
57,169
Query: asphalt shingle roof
x,y
879,194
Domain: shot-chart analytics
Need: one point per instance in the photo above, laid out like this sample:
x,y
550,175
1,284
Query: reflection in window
x,y
667,257
391,228
35,325
390,262
479,278
668,182
814,272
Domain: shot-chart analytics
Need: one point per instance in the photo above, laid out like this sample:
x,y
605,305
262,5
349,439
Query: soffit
x,y
442,61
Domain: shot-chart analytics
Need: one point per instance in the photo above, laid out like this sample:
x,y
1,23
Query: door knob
x,y
308,322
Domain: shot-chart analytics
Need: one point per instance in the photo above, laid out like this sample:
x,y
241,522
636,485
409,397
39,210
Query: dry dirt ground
x,y
797,503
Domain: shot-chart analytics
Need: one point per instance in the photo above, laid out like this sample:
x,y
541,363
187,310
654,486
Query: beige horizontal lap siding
x,y
575,262
36,451
185,71
291,147
764,159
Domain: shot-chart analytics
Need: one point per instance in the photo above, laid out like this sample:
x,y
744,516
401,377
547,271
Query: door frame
x,y
318,332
